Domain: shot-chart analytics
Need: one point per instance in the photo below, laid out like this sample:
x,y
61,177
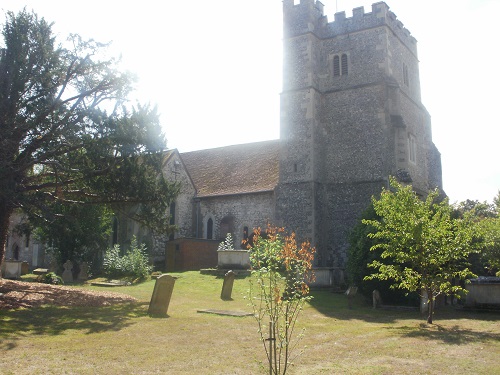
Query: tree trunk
x,y
430,306
5,213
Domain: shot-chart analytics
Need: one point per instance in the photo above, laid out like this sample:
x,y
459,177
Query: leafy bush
x,y
227,244
279,290
51,278
359,256
134,263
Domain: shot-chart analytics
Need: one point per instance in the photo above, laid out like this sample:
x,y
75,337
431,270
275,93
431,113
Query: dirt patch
x,y
20,294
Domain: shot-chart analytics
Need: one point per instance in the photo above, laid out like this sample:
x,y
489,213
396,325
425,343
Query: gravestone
x,y
227,286
161,295
377,299
25,268
67,275
350,293
83,274
53,265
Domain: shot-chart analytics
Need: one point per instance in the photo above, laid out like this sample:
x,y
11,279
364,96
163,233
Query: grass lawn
x,y
123,339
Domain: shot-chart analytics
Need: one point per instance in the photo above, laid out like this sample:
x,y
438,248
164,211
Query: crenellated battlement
x,y
308,16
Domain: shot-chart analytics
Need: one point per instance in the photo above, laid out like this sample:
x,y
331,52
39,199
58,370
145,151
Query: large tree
x,y
423,247
66,133
487,261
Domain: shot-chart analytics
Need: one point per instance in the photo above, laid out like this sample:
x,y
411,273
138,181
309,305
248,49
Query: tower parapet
x,y
305,17
308,17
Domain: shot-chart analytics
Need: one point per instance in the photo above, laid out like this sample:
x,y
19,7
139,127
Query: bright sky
x,y
213,67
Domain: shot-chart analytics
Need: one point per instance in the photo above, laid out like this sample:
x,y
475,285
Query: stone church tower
x,y
351,116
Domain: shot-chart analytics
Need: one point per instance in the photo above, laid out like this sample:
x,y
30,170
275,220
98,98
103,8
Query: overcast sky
x,y
213,67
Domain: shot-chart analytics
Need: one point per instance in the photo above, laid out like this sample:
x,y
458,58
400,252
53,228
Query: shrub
x,y
359,256
134,263
52,278
227,244
278,291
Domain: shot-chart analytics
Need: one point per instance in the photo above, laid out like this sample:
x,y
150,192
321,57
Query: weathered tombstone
x,y
161,295
67,275
376,298
53,265
227,286
350,293
83,274
25,268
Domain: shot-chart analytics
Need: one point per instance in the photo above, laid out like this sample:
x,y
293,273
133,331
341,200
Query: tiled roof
x,y
245,168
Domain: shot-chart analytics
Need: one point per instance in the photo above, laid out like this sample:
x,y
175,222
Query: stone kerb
x,y
237,259
11,269
483,291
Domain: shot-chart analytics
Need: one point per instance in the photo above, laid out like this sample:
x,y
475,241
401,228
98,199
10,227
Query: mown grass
x,y
123,339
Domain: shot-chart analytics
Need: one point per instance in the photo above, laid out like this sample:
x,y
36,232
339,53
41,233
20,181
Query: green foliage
x,y
66,135
52,278
490,256
278,290
487,261
360,256
425,248
78,233
134,263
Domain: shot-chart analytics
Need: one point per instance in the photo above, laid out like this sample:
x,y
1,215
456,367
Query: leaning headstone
x,y
350,293
83,275
67,275
227,286
161,295
377,299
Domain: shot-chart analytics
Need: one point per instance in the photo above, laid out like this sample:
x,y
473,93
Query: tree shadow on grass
x,y
54,320
335,305
454,335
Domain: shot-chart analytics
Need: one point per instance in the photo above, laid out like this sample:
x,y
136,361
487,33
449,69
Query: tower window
x,y
412,149
336,66
340,65
406,79
344,64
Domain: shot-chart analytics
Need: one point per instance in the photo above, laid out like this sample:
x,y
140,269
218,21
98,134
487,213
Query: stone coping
x,y
40,271
110,283
225,312
223,271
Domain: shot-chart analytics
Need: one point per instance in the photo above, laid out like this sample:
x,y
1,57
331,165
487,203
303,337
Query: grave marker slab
x,y
83,274
350,293
67,275
162,294
377,299
227,286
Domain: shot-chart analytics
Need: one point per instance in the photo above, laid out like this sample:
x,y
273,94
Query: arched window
x,y
336,66
15,252
244,243
115,231
172,219
344,65
210,229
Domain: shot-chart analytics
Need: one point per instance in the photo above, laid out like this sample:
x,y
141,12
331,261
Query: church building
x,y
351,117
